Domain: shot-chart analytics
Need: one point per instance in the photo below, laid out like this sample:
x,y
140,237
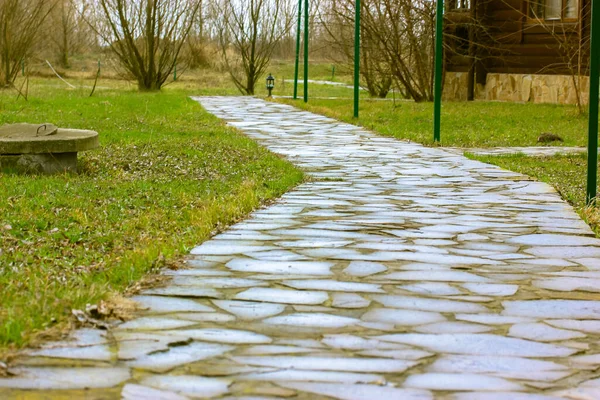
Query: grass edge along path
x,y
565,172
477,124
167,176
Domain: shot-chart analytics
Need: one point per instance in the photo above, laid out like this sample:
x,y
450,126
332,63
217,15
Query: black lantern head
x,y
270,83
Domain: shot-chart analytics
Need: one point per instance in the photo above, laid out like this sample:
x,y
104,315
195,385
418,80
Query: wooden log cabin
x,y
515,38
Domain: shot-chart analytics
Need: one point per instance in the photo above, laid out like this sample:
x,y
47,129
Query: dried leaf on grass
x,y
105,313
592,216
85,319
147,282
120,307
3,369
175,265
7,359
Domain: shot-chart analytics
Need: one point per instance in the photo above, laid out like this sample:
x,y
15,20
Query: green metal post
x,y
439,60
592,170
175,73
306,51
332,72
297,49
356,57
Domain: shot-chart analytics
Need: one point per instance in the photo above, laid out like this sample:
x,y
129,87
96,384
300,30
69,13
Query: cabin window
x,y
572,9
554,10
459,5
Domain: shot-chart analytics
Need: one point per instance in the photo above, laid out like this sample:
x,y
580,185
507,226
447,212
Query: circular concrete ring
x,y
64,141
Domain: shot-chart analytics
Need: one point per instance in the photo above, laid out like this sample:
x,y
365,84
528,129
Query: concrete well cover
x,y
44,138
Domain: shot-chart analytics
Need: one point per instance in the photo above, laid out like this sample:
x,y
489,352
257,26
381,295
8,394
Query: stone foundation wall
x,y
455,87
556,89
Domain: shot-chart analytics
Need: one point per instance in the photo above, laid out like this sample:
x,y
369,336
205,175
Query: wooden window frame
x,y
451,6
536,20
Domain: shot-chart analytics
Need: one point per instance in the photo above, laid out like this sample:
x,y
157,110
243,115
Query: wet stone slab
x,y
398,272
51,378
163,361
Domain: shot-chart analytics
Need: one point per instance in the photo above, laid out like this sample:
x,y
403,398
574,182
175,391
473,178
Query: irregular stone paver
x,y
400,272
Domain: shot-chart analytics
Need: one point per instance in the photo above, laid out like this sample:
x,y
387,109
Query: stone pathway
x,y
401,272
538,151
320,82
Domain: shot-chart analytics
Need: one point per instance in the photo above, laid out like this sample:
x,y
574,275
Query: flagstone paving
x,y
399,272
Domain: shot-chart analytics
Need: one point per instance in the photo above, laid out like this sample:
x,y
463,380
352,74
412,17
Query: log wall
x,y
497,36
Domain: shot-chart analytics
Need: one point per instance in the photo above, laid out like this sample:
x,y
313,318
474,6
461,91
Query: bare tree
x,y
405,31
196,53
397,43
67,32
147,36
248,32
20,22
375,70
337,21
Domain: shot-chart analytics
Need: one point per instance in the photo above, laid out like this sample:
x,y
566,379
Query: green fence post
x,y
332,72
592,170
306,51
439,60
297,49
356,57
175,72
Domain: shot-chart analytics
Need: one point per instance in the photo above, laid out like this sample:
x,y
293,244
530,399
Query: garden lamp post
x,y
270,83
439,54
356,57
297,50
592,167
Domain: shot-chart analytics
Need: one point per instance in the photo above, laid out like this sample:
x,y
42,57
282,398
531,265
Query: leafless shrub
x,y
66,31
20,22
397,42
146,36
252,29
337,21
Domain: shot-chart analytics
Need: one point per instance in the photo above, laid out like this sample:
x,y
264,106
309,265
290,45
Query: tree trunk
x,y
148,85
251,84
65,39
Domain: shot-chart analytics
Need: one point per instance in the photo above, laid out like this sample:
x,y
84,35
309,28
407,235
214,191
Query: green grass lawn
x,y
167,175
567,173
464,124
318,91
318,71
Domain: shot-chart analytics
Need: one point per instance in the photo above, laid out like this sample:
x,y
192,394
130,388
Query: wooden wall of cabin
x,y
497,36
